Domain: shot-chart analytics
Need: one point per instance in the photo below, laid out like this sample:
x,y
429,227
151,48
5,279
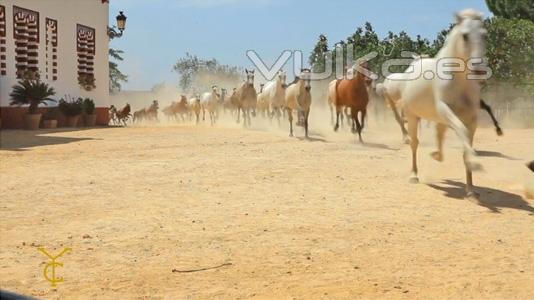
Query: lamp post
x,y
121,25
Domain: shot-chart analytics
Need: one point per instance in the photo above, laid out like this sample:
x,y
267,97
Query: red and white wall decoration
x,y
86,56
26,35
2,41
51,49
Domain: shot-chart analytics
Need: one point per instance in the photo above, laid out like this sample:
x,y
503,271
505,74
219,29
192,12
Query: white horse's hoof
x,y
414,179
438,156
474,166
472,195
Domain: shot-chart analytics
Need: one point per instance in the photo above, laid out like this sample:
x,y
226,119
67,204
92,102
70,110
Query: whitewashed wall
x,y
68,13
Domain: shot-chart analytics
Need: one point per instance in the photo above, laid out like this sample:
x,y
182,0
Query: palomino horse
x,y
450,102
352,93
229,100
275,92
246,98
298,98
147,114
262,107
210,102
118,116
195,107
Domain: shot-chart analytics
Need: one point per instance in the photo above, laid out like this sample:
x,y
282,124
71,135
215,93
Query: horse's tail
x,y
336,96
381,90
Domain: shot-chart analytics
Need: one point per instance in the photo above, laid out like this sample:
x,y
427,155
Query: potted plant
x,y
50,118
71,109
87,82
31,92
89,115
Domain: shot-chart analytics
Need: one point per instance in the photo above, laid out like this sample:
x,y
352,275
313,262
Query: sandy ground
x,y
273,217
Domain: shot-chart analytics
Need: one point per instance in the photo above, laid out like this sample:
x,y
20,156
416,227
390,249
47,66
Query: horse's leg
x,y
469,191
399,119
338,113
353,117
290,118
238,115
440,134
306,115
413,124
348,116
487,108
364,115
331,113
358,126
452,120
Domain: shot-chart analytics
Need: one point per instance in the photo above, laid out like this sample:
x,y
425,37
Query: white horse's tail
x,y
380,90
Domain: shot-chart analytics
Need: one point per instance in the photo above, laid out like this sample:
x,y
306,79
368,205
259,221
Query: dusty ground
x,y
275,217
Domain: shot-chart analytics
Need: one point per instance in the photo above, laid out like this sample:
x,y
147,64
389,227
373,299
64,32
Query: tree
x,y
201,74
512,9
510,49
115,75
317,58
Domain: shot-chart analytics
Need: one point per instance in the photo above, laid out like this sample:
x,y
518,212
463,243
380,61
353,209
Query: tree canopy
x,y
201,73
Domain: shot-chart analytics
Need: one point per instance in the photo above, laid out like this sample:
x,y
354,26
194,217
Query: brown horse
x,y
149,114
352,93
120,116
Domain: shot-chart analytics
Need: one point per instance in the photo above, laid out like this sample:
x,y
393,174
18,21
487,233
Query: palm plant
x,y
32,92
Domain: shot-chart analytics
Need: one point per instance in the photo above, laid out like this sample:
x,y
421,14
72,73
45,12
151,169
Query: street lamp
x,y
121,25
121,21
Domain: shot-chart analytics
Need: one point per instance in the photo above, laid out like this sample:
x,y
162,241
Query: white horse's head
x,y
469,35
305,76
250,76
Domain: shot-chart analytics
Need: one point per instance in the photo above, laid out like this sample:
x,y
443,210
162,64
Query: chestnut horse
x,y
352,93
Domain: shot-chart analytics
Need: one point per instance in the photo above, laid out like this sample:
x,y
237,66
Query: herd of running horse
x,y
448,102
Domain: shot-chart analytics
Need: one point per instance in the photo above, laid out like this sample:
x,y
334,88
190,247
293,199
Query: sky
x,y
159,32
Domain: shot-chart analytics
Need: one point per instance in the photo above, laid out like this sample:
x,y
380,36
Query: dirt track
x,y
290,218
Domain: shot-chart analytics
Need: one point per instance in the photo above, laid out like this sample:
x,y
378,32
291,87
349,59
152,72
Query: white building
x,y
64,41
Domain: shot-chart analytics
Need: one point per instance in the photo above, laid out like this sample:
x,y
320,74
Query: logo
x,y
50,268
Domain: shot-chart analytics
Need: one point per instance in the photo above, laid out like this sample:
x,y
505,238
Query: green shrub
x,y
71,107
88,106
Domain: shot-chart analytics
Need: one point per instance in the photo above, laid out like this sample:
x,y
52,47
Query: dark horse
x,y
352,93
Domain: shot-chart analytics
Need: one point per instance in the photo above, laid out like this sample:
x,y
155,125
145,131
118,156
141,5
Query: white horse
x,y
450,102
274,92
210,101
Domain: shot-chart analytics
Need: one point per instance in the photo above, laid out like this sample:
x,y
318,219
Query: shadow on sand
x,y
312,139
377,146
22,140
494,154
490,198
